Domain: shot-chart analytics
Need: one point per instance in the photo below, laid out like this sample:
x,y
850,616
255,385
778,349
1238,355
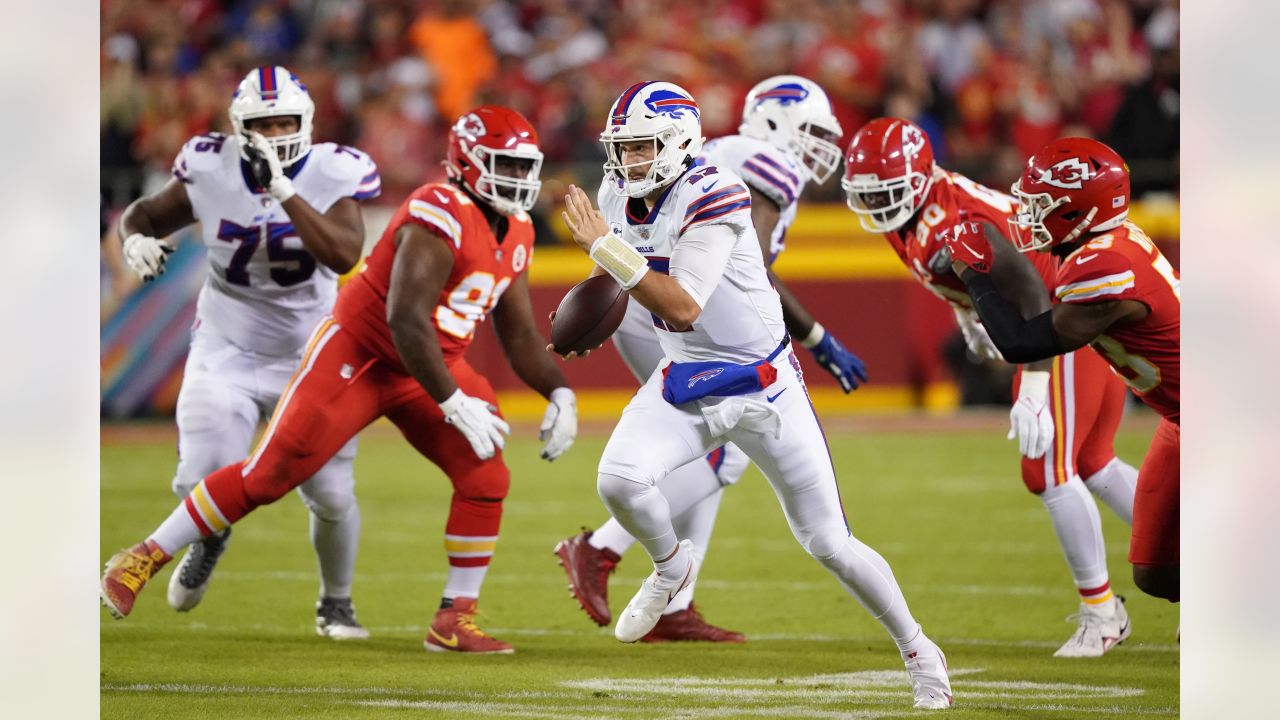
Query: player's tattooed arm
x,y
418,274
521,341
335,237
160,214
764,216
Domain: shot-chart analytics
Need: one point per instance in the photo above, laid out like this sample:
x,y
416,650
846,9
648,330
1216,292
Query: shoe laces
x,y
467,622
338,612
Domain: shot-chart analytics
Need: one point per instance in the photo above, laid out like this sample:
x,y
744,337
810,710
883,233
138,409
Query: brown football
x,y
588,315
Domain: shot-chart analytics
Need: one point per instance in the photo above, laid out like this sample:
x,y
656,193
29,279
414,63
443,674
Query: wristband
x,y
281,188
563,396
815,336
1034,384
616,257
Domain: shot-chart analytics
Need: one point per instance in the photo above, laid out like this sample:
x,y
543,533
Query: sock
x,y
611,536
695,525
1114,485
1079,529
684,488
464,582
335,544
642,511
674,565
1099,597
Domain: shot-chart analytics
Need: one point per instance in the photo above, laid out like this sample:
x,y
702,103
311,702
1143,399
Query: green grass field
x,y
973,551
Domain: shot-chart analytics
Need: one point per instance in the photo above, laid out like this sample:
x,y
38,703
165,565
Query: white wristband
x,y
450,404
1034,384
563,395
619,259
815,336
282,188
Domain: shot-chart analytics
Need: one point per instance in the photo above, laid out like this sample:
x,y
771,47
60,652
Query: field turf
x,y
974,553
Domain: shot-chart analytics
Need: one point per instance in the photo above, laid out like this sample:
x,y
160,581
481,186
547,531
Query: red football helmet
x,y
1070,186
888,171
493,151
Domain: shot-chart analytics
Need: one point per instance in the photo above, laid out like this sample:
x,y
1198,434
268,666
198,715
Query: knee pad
x,y
490,481
825,543
203,407
328,505
619,490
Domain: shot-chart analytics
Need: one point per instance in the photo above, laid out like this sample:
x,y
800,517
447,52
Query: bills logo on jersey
x,y
519,258
704,375
470,126
668,102
786,94
1069,174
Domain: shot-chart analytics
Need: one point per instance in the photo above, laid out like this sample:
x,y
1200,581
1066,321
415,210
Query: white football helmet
x,y
794,114
270,91
663,113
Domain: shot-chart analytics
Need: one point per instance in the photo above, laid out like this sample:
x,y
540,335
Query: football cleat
x,y
189,581
454,630
927,667
588,569
127,572
336,618
1099,630
656,593
689,625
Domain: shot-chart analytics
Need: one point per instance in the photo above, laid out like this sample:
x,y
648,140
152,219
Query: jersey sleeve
x,y
771,175
355,173
436,209
699,259
1101,277
200,155
725,202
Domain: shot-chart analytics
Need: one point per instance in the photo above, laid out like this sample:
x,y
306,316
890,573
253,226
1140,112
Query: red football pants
x,y
340,388
1087,402
1155,503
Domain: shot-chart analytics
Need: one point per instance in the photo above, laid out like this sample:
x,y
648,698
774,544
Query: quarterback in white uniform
x,y
280,219
789,135
680,240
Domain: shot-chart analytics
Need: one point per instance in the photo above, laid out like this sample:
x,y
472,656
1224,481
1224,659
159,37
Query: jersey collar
x,y
638,214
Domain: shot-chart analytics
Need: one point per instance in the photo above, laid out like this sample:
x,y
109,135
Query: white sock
x,y
611,536
695,525
1114,485
675,565
1079,528
335,544
464,581
176,532
642,511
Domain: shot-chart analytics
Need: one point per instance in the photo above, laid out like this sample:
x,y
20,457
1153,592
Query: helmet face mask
x,y
793,114
493,152
655,112
888,173
883,205
269,92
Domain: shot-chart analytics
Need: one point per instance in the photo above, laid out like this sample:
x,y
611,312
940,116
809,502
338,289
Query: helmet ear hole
x,y
1072,215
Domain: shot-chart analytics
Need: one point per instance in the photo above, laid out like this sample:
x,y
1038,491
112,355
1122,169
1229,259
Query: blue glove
x,y
832,355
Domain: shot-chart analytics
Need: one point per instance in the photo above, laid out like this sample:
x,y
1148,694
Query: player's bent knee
x,y
1162,581
491,481
618,490
825,543
328,505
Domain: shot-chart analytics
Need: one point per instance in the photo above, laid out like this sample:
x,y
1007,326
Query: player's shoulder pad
x,y
205,154
439,208
1095,273
709,193
349,168
764,167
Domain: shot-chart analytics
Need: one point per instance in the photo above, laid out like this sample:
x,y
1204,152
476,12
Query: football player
x,y
1066,411
280,218
453,253
679,238
1115,292
788,136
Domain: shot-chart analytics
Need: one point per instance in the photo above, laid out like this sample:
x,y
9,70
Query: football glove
x,y
975,335
971,248
1030,420
847,368
475,419
146,255
559,423
264,164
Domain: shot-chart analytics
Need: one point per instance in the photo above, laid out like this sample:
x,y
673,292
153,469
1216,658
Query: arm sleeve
x,y
699,259
1019,340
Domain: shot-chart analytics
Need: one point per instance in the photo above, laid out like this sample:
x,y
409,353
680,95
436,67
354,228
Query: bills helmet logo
x,y
470,126
673,104
704,375
1069,174
786,94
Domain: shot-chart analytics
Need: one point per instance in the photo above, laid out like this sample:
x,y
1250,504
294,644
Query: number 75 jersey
x,y
483,269
264,291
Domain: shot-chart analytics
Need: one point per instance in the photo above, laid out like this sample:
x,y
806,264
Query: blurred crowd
x,y
990,80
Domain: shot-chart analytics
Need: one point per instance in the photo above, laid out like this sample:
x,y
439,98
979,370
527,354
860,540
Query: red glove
x,y
968,245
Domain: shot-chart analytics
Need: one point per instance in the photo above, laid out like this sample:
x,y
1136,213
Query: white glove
x,y
1030,420
475,419
146,255
976,336
559,423
279,185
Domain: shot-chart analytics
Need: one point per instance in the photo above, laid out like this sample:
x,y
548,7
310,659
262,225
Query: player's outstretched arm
x,y
149,219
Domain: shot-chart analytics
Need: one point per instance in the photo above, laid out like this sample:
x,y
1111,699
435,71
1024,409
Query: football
x,y
589,313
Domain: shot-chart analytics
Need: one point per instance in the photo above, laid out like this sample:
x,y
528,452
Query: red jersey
x,y
482,270
951,197
1125,265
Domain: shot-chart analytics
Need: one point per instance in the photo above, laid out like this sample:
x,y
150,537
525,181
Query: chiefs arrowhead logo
x,y
470,126
912,141
1069,174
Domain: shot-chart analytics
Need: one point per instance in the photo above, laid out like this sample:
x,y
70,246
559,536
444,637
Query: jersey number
x,y
301,264
468,303
1138,372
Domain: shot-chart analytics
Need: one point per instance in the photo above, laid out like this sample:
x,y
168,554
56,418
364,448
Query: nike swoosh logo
x,y
672,595
771,398
706,188
1083,260
451,641
976,254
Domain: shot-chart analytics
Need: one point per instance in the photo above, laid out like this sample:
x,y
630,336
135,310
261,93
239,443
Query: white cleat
x,y
927,667
656,593
190,579
1099,630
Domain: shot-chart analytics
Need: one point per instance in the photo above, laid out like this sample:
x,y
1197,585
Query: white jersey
x,y
767,170
264,291
700,233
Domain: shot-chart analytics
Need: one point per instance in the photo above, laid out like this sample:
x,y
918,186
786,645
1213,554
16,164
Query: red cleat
x,y
454,630
689,625
127,572
588,569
